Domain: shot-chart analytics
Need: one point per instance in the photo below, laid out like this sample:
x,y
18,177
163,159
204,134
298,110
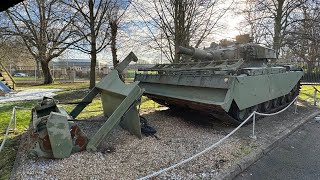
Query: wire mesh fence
x,y
31,74
311,71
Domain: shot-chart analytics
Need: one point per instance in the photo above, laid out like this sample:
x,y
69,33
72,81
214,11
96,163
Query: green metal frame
x,y
119,101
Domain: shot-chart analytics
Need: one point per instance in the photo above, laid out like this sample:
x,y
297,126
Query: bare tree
x,y
181,22
45,28
93,26
116,12
12,48
304,37
13,51
271,20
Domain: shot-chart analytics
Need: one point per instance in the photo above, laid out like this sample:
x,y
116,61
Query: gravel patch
x,y
180,135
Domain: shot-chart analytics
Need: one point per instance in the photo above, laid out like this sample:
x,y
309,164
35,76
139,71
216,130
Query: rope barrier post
x,y
315,97
253,126
7,131
15,119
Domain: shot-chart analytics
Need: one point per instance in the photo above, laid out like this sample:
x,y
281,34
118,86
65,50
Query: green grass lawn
x,y
56,85
27,78
307,92
8,154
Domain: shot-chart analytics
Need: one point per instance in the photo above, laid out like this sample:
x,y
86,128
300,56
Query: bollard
x,y
253,126
315,97
15,119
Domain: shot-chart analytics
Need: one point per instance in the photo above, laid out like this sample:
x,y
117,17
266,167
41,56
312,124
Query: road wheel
x,y
283,100
237,114
266,106
276,102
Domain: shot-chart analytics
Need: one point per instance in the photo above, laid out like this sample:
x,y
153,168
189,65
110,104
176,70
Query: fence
x,y
311,71
30,74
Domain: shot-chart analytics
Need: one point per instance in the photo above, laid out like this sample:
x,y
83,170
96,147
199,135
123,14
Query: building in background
x,y
64,67
82,65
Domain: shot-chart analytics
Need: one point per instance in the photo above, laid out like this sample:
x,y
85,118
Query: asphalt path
x,y
28,94
297,157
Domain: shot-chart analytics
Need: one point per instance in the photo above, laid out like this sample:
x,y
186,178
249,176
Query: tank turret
x,y
248,52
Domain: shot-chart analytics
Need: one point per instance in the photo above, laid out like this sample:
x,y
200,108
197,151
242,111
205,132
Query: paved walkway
x,y
28,94
298,157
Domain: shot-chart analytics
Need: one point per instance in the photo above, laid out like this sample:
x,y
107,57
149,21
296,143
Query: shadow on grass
x,y
9,105
68,96
307,103
56,85
307,94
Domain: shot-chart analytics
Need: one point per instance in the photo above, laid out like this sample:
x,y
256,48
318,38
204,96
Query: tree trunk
x,y
38,69
93,52
177,30
277,28
114,31
181,34
46,72
93,68
310,67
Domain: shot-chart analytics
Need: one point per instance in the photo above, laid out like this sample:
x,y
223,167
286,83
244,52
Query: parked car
x,y
20,75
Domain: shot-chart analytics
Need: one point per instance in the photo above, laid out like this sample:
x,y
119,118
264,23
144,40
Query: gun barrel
x,y
195,53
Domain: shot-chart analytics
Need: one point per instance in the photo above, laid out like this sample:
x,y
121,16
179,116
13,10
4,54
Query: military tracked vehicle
x,y
229,82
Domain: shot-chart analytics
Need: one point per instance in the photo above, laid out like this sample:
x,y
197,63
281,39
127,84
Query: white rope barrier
x,y
8,128
12,117
271,114
215,144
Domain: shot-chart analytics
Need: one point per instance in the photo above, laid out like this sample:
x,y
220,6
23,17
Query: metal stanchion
x,y
15,119
315,97
253,126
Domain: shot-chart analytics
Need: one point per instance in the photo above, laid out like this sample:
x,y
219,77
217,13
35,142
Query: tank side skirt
x,y
253,90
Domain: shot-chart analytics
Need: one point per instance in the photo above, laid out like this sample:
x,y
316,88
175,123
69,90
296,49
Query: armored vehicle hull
x,y
236,96
228,89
